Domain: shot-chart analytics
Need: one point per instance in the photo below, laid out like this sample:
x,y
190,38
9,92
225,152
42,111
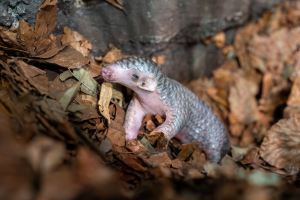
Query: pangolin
x,y
187,116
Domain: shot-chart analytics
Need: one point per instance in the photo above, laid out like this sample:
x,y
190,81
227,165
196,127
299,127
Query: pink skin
x,y
145,101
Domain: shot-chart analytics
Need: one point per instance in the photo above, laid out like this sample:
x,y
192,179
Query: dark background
x,y
171,28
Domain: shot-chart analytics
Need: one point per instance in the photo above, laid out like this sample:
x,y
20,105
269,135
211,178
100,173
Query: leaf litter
x,y
65,133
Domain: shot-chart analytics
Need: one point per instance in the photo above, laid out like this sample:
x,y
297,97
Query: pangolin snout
x,y
106,74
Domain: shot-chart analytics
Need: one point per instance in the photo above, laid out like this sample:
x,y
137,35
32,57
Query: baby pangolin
x,y
187,117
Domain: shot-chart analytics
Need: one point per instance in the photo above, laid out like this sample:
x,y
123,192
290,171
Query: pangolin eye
x,y
136,77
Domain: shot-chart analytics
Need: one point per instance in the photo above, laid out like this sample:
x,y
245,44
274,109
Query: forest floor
x,y
61,131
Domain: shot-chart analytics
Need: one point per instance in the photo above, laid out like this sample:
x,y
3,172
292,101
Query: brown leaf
x,y
35,76
116,134
45,154
116,3
136,146
197,159
129,159
113,55
120,114
251,157
150,125
177,164
294,97
58,88
42,45
159,120
186,150
242,102
77,41
161,159
51,52
247,138
26,36
241,40
10,39
280,147
159,60
46,19
105,96
219,39
91,110
239,153
69,58
92,69
158,140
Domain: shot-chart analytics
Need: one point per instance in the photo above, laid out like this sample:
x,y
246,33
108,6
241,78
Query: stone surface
x,y
172,28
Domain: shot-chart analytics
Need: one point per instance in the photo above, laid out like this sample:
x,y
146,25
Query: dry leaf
x,y
26,36
160,159
158,140
159,120
294,97
35,76
136,146
77,41
197,159
280,147
105,96
159,60
46,19
116,134
116,3
186,150
69,58
113,55
242,102
219,39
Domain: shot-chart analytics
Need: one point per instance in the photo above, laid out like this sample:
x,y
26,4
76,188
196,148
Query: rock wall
x,y
172,28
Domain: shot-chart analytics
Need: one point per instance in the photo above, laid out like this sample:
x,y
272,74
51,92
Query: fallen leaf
x,y
116,3
238,153
113,55
219,39
242,102
105,146
26,36
35,76
160,159
150,125
158,140
58,88
45,154
159,120
280,147
89,85
197,159
176,163
186,150
137,147
116,134
295,93
251,157
46,19
147,144
159,60
130,160
69,58
105,96
69,94
77,41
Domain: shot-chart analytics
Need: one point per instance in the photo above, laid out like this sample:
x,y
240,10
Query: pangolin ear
x,y
148,84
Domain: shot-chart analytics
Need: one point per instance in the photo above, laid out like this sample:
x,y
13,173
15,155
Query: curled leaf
x,y
280,147
105,96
